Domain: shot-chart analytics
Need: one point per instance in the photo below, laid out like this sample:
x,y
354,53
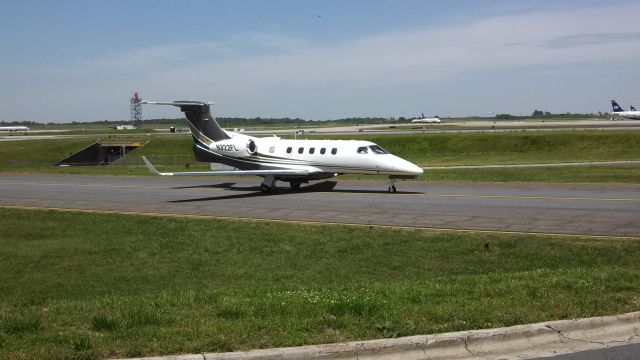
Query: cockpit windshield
x,y
378,150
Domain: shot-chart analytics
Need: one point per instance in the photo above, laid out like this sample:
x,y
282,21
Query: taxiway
x,y
577,209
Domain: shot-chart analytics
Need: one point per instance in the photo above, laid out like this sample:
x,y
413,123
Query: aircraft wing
x,y
224,173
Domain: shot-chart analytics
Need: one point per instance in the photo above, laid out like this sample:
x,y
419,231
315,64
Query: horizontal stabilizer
x,y
177,103
150,166
201,122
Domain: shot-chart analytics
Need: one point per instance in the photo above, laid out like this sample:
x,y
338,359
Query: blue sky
x,y
81,60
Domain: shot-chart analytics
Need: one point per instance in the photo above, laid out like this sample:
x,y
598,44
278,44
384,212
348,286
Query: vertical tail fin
x,y
632,108
200,118
202,124
616,107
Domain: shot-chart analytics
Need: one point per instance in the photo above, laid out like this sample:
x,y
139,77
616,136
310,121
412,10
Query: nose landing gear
x,y
392,186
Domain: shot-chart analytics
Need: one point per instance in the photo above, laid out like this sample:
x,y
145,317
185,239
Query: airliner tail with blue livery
x,y
618,111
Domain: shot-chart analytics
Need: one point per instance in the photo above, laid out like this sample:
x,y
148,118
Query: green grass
x,y
33,154
173,153
78,285
512,147
38,156
89,132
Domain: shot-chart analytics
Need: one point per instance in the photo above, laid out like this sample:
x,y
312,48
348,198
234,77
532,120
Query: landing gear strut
x,y
268,184
294,185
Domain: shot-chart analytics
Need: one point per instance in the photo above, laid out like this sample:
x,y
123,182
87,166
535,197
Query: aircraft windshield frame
x,y
376,149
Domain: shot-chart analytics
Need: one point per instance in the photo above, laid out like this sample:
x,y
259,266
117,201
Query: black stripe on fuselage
x,y
256,164
271,162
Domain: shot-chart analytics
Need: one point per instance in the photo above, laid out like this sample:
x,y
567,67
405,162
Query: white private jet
x,y
273,158
618,111
426,120
14,128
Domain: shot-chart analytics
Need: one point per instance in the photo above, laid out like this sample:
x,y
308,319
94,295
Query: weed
x,y
230,311
81,344
141,316
21,323
387,329
104,323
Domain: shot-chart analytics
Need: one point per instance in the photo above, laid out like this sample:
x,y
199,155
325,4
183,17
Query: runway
x,y
448,126
577,209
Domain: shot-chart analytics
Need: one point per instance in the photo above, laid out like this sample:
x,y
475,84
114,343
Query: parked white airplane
x,y
619,111
14,128
273,158
426,120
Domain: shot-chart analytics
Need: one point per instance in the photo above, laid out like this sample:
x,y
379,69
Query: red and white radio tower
x,y
136,110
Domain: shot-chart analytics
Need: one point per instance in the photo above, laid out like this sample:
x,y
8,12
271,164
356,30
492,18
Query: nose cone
x,y
413,169
407,168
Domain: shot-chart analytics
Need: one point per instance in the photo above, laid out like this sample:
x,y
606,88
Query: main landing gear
x,y
268,184
265,188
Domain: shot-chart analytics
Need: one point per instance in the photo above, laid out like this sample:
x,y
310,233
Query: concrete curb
x,y
515,342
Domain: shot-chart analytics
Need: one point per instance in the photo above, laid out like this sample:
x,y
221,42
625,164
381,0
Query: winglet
x,y
150,166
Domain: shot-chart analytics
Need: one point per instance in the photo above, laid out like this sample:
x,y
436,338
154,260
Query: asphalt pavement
x,y
624,352
578,209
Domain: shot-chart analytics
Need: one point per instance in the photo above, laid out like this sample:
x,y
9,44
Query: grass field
x,y
174,153
512,147
102,132
77,285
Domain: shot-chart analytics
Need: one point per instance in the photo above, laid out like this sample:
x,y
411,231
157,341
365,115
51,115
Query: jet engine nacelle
x,y
237,148
252,147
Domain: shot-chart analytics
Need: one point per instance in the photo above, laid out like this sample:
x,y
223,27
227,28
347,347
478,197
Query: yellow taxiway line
x,y
528,197
316,223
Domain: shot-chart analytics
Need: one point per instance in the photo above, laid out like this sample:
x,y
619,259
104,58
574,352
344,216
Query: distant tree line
x,y
18,123
537,114
540,113
227,121
260,121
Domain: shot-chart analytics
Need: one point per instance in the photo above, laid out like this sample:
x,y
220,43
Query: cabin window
x,y
322,151
272,149
289,150
362,150
300,150
378,150
312,150
334,151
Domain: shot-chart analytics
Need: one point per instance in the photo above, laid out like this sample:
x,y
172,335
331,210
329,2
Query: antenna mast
x,y
136,110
